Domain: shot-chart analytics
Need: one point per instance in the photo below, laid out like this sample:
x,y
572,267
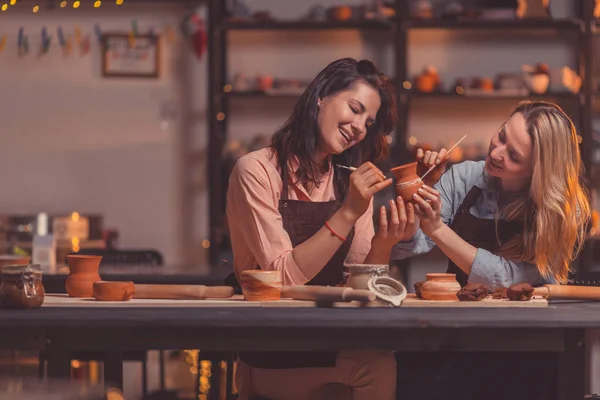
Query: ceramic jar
x,y
359,274
21,287
407,181
83,272
440,287
259,285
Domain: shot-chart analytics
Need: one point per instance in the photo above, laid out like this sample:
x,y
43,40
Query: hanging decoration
x,y
98,33
133,33
82,41
23,42
195,29
45,41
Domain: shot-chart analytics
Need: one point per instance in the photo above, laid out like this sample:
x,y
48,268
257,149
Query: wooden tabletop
x,y
169,314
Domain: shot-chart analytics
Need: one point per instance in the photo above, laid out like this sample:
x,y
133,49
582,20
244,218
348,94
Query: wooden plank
x,y
412,301
59,300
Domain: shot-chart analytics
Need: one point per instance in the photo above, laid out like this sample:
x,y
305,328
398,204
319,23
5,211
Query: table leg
x,y
572,365
57,354
113,369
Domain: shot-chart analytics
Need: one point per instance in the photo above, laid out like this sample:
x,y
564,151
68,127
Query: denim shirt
x,y
487,268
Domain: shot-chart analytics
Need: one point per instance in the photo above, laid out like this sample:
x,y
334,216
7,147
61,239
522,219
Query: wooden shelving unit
x,y
580,105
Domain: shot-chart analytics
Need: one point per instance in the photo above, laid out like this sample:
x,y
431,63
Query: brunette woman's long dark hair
x,y
300,134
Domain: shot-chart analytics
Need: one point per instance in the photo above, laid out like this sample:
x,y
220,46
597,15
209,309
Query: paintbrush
x,y
354,169
348,168
447,154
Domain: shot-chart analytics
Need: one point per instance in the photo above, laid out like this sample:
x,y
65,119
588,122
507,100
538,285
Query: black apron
x,y
301,220
477,375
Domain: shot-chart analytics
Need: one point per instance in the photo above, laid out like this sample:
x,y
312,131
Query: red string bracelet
x,y
343,239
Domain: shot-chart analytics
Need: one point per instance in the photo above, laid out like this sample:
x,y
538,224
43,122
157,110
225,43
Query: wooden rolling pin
x,y
568,292
182,292
326,294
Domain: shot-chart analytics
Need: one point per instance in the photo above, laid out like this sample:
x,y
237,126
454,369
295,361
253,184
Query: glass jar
x,y
21,286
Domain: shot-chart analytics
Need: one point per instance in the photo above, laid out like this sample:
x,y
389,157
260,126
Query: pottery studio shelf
x,y
397,31
566,96
307,25
573,24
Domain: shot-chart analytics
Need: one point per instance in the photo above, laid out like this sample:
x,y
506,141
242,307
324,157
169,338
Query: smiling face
x,y
510,153
345,117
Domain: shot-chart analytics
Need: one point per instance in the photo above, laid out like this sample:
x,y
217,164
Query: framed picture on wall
x,y
124,55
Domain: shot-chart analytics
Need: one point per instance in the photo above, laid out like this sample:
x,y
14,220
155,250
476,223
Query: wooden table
x,y
58,329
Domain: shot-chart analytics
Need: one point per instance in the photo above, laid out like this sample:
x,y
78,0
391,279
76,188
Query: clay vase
x,y
407,181
258,285
83,272
440,287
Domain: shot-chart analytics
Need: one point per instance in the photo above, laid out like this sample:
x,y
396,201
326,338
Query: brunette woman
x,y
291,208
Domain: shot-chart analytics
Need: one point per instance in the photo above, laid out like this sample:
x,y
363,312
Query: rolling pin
x,y
326,294
568,292
182,292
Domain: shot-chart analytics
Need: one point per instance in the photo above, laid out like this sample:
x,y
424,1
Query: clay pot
x,y
113,290
264,83
83,272
440,287
258,285
340,13
7,259
425,83
407,181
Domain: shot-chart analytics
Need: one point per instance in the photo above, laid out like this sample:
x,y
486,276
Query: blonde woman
x,y
519,216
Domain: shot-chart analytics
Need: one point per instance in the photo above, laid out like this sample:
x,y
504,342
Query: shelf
x,y
452,95
261,94
307,25
555,24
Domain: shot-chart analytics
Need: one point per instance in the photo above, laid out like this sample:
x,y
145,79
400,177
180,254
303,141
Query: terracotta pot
x,y
426,83
264,83
407,181
83,272
440,287
259,285
114,290
8,259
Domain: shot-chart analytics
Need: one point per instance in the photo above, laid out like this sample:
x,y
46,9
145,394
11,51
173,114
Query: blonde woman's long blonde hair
x,y
556,210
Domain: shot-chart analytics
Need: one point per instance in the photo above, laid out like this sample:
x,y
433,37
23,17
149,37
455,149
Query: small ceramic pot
x,y
539,83
258,285
8,259
425,83
114,291
264,83
83,272
440,287
407,180
359,274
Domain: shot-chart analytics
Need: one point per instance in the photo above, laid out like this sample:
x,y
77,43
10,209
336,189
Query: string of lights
x,y
36,6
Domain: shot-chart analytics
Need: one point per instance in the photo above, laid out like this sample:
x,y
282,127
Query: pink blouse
x,y
256,227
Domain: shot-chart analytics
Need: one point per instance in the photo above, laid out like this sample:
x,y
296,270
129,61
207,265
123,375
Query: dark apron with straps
x,y
301,220
479,232
477,375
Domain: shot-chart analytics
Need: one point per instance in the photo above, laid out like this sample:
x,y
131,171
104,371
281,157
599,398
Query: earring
x,y
319,103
